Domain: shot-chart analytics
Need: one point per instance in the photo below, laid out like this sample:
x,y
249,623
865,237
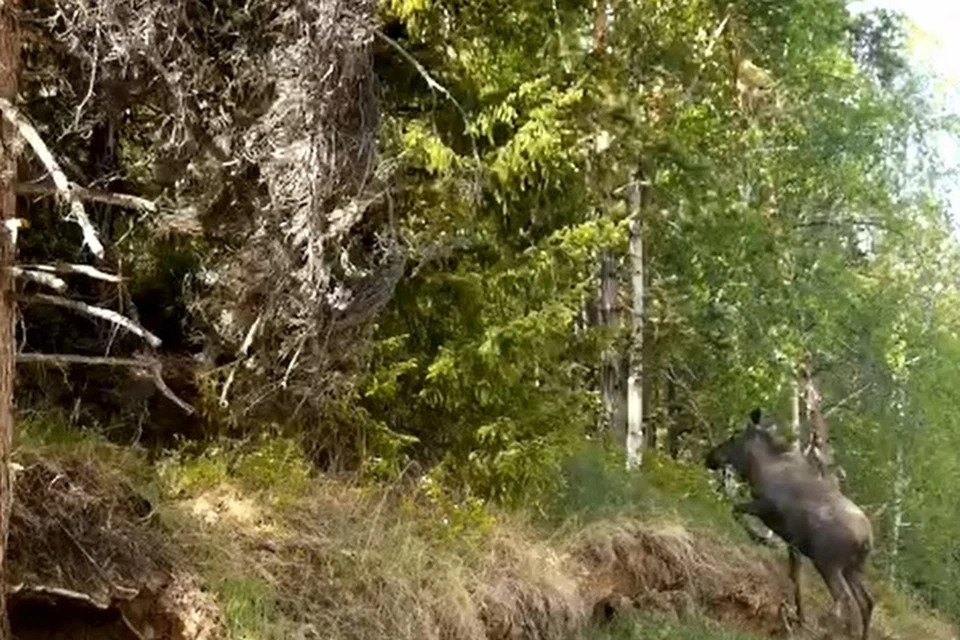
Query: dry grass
x,y
345,563
84,537
80,526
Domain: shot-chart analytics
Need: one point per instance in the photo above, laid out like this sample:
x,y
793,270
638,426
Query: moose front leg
x,y
750,508
754,508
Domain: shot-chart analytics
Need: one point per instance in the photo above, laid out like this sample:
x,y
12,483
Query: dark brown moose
x,y
807,512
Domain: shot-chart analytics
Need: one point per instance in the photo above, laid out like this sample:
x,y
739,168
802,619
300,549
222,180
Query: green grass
x,y
597,487
657,627
248,606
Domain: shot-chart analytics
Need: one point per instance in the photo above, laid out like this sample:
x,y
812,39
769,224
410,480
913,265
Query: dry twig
x,y
241,354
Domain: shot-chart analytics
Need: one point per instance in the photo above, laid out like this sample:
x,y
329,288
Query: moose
x,y
807,512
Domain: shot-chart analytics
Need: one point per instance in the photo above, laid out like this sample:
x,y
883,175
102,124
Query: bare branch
x,y
44,279
79,214
82,269
76,358
168,392
842,403
124,200
241,354
149,364
98,312
183,220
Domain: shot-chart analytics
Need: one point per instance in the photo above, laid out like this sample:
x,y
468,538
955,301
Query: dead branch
x,y
76,358
45,279
59,592
148,364
82,269
168,392
124,200
98,312
241,354
17,119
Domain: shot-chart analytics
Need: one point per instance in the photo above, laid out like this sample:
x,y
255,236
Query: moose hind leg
x,y
795,579
843,599
855,579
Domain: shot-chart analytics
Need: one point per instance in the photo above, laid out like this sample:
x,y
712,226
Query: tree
x,y
9,145
636,438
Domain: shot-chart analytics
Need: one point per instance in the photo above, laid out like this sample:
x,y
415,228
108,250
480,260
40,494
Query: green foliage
x,y
272,465
446,518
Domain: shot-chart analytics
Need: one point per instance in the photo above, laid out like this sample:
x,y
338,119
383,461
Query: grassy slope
x,y
287,555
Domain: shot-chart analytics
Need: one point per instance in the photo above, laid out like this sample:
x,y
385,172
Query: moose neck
x,y
757,454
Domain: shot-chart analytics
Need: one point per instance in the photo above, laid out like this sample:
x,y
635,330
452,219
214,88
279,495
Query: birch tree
x,y
635,426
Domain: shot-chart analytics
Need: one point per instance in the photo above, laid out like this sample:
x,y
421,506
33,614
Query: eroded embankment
x,y
90,557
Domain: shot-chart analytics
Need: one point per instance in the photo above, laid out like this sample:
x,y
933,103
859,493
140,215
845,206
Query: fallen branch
x,y
45,279
124,200
17,119
98,312
148,364
82,269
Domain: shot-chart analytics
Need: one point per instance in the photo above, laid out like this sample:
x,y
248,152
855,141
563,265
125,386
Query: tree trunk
x,y
663,413
818,450
9,146
611,375
676,425
900,483
795,413
635,435
600,26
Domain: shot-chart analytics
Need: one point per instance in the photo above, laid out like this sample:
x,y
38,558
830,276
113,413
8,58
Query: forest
x,y
417,318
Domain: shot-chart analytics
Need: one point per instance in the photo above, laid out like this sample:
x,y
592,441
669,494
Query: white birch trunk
x,y
795,413
635,435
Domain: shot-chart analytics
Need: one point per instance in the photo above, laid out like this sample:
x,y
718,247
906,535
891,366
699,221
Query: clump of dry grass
x,y
79,525
82,535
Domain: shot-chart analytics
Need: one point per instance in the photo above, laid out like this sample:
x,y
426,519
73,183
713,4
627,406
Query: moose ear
x,y
755,416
